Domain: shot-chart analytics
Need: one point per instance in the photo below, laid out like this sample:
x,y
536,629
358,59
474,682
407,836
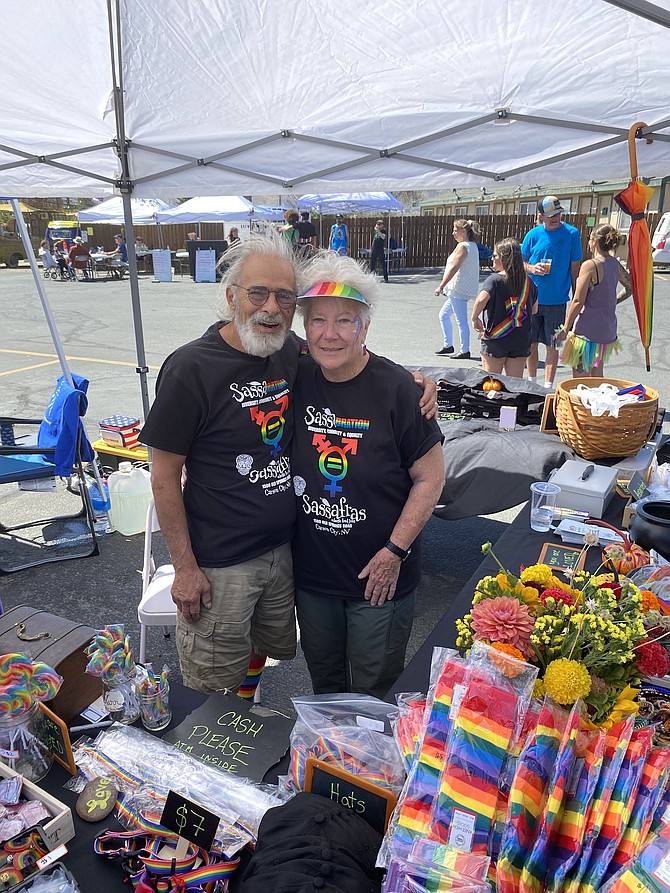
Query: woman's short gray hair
x,y
328,266
273,247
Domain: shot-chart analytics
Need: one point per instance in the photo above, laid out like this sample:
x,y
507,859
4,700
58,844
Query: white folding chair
x,y
156,607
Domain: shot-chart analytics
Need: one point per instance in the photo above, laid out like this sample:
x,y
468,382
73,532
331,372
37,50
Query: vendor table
x,y
518,545
111,455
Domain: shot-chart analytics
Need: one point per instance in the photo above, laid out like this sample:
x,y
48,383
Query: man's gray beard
x,y
260,345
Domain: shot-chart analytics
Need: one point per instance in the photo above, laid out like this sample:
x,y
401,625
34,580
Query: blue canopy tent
x,y
350,203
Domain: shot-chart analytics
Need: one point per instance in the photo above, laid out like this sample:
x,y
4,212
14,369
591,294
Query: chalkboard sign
x,y
224,732
54,734
562,558
189,820
372,803
636,487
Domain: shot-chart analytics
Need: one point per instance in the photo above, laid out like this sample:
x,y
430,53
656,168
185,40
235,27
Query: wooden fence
x,y
428,240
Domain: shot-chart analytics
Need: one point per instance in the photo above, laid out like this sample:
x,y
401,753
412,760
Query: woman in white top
x,y
461,275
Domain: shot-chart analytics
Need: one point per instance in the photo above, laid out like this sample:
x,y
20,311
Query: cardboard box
x,y
591,495
60,828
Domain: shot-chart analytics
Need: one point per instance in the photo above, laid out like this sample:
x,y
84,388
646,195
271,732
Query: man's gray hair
x,y
328,266
273,247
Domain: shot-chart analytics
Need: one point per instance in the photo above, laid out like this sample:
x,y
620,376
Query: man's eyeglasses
x,y
259,295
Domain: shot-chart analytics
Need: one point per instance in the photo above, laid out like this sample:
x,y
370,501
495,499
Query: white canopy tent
x,y
144,211
444,94
217,209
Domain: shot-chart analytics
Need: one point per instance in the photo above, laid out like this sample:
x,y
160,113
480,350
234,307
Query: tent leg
x,y
142,369
39,284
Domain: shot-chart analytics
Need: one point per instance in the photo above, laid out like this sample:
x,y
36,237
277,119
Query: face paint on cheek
x,y
359,326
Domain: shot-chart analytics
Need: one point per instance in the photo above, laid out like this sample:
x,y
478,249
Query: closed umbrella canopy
x,y
145,210
634,200
217,209
350,203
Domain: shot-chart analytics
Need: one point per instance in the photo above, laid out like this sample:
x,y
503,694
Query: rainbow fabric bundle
x,y
517,795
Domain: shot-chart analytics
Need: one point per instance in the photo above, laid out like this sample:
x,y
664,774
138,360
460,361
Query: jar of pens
x,y
153,694
23,683
111,658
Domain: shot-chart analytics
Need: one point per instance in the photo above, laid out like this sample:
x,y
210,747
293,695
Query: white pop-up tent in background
x,y
144,211
443,95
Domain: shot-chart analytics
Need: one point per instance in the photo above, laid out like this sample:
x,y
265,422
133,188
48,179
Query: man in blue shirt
x,y
121,251
552,252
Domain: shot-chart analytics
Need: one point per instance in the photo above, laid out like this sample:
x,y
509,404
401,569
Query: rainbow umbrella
x,y
633,200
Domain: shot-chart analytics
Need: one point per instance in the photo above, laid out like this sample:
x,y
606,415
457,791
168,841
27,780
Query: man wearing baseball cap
x,y
552,252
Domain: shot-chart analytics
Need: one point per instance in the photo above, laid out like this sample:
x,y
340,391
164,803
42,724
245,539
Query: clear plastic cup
x,y
546,263
543,502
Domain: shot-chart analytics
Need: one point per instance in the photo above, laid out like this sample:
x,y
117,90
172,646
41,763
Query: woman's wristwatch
x,y
402,554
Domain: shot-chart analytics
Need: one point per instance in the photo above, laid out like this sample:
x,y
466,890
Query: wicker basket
x,y
600,437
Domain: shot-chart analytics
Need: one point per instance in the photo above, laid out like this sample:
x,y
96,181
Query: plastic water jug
x,y
130,493
100,504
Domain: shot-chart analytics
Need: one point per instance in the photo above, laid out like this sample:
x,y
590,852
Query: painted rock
x,y
97,800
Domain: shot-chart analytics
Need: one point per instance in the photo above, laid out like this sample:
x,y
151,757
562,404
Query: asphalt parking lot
x,y
96,326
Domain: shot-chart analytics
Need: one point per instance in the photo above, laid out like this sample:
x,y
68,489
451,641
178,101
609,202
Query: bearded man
x,y
222,412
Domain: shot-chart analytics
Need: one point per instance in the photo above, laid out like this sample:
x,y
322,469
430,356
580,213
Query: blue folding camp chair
x,y
60,449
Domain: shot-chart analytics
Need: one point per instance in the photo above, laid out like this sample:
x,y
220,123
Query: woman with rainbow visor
x,y
367,471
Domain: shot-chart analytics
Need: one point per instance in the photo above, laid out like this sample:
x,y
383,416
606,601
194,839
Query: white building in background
x,y
595,200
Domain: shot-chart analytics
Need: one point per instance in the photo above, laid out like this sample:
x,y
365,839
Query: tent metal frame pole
x,y
41,291
51,323
644,10
126,187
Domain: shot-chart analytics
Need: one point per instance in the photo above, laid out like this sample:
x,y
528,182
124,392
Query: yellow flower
x,y
530,595
625,705
539,689
503,582
538,573
566,680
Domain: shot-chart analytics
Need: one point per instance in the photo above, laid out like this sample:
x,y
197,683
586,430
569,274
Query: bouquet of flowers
x,y
593,637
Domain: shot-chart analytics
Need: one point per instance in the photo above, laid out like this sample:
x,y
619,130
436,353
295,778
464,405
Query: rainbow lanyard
x,y
146,866
517,311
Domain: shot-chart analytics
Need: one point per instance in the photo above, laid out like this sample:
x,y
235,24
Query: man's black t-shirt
x,y
354,444
229,413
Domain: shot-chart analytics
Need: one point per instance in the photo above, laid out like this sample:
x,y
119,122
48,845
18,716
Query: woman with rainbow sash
x,y
508,300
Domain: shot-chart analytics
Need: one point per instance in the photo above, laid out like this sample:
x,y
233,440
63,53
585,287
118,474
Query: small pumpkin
x,y
492,384
621,557
633,556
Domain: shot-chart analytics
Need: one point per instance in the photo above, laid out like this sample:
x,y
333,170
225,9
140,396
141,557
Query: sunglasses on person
x,y
259,295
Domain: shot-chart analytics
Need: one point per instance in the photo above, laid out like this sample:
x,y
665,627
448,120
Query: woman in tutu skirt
x,y
590,328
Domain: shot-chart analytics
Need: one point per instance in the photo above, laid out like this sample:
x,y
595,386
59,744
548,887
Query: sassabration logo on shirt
x,y
267,402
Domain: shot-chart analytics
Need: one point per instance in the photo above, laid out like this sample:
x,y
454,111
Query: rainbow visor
x,y
334,290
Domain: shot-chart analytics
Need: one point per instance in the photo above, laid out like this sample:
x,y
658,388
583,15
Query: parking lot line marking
x,y
28,353
26,368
